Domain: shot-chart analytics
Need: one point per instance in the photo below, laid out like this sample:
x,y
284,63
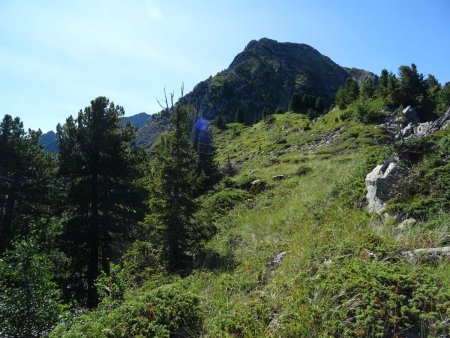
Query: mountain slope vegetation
x,y
303,221
296,256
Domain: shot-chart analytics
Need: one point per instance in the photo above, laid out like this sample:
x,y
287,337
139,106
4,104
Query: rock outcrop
x,y
410,114
415,129
381,184
429,253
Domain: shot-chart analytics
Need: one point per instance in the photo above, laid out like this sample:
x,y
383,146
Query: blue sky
x,y
56,56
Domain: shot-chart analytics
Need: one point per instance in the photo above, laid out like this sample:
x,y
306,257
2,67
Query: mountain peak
x,y
265,76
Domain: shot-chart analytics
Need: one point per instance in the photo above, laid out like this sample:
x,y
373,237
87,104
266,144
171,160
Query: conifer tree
x,y
444,98
295,104
172,194
367,89
207,168
104,200
24,179
347,93
382,90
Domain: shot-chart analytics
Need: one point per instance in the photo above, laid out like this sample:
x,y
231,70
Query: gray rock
x,y
413,130
381,184
278,177
430,252
422,129
441,123
411,115
407,131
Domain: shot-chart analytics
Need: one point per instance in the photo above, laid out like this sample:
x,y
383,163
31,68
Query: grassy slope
x,y
340,276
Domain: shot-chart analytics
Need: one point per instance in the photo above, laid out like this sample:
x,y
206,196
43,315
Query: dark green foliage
x,y
25,180
29,300
319,105
269,120
371,298
425,191
104,200
382,89
303,170
239,116
257,187
296,103
353,190
388,88
433,88
207,168
367,114
168,311
172,202
425,95
307,104
412,86
220,123
279,110
367,89
347,93
444,99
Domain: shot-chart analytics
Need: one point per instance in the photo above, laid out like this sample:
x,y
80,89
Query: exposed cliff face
x,y
361,75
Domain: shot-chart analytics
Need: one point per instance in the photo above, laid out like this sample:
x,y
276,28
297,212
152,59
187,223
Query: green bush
x,y
165,312
303,170
425,191
29,300
353,190
371,298
223,201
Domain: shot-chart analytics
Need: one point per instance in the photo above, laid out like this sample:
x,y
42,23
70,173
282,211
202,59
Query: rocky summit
x,y
262,78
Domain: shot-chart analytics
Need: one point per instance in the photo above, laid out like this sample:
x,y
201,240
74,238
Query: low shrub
x,y
165,312
303,170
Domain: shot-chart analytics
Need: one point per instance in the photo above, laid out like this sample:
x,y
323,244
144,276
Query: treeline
x,y
426,95
67,219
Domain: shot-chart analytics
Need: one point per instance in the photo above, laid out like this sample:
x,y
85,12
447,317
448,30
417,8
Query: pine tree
x,y
444,98
25,171
347,93
367,89
382,90
207,168
319,106
172,194
412,86
104,200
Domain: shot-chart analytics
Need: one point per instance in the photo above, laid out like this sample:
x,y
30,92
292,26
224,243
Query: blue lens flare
x,y
201,124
